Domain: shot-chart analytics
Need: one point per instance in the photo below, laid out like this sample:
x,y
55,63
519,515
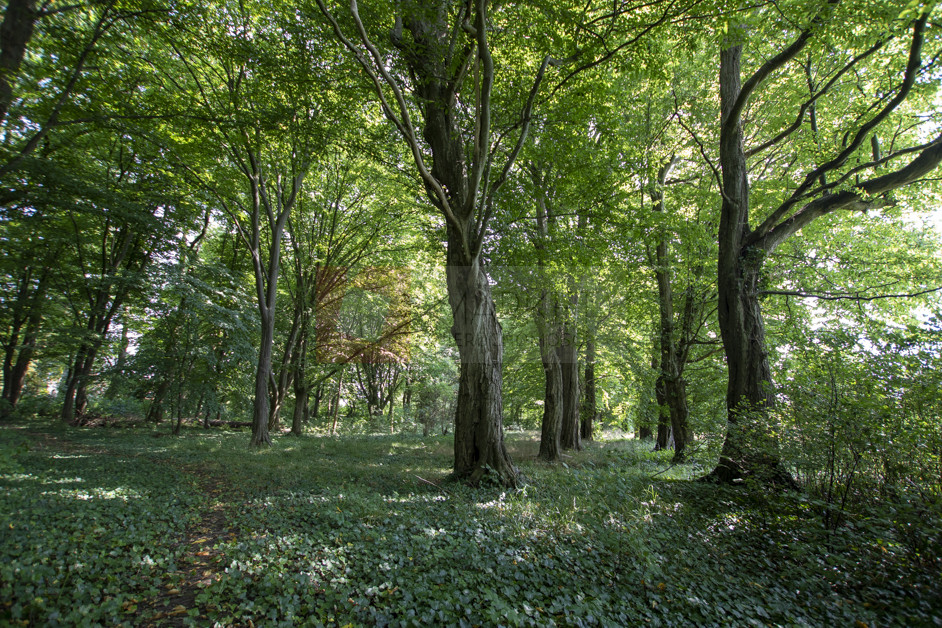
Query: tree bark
x,y
750,448
479,431
155,412
570,436
315,410
336,408
301,416
670,387
552,422
18,352
19,20
589,405
260,405
663,439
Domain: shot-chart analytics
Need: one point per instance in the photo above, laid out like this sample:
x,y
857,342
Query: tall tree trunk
x,y
570,435
316,408
18,352
300,416
155,412
589,405
663,439
549,329
120,364
549,332
75,403
479,431
670,388
14,371
336,408
676,389
19,20
260,406
750,448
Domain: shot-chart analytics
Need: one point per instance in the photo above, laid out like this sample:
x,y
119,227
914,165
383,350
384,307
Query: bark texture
x,y
670,387
589,404
479,431
570,435
19,343
749,448
552,422
19,20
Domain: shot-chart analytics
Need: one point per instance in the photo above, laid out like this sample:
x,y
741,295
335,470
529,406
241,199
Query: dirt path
x,y
200,562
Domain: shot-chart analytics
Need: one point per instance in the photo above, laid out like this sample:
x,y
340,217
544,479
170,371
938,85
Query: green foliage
x,y
367,531
86,536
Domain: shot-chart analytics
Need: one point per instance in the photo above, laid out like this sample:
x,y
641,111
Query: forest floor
x,y
115,526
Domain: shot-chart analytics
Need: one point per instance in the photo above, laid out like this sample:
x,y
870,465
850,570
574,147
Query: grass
x,y
114,526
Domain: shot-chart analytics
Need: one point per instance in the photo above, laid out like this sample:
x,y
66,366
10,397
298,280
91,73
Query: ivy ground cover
x,y
116,527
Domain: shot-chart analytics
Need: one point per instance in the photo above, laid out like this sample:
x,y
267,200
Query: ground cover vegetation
x,y
471,241
116,527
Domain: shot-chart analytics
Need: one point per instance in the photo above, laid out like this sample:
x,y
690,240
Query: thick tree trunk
x,y
75,402
14,371
19,20
663,440
750,449
300,416
81,391
570,435
155,412
18,353
479,432
671,389
315,410
676,389
336,402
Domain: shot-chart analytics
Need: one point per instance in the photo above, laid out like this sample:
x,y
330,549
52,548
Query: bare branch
x,y
853,296
775,63
770,223
814,98
404,125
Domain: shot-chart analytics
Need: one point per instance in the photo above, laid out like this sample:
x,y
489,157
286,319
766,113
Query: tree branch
x,y
776,62
858,198
404,126
814,98
769,224
855,296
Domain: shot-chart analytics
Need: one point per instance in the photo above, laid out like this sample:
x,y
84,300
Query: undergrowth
x,y
370,531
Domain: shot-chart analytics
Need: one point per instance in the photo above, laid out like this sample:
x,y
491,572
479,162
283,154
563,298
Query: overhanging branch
x,y
852,296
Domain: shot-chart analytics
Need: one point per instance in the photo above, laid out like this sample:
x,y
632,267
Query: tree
x,y
840,176
335,232
119,221
445,50
249,74
63,159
